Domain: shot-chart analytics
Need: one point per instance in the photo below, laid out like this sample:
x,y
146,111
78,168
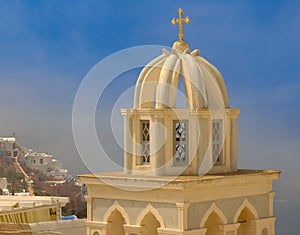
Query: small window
x,y
217,141
41,161
265,232
145,142
180,141
96,233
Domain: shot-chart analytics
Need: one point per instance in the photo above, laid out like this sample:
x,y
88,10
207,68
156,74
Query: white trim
x,y
150,209
116,206
245,204
213,208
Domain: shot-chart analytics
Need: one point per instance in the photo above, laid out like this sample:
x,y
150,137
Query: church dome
x,y
157,84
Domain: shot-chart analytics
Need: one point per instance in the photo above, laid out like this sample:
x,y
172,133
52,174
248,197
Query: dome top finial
x,y
180,22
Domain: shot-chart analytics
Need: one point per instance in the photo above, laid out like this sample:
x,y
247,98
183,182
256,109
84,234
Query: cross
x,y
180,22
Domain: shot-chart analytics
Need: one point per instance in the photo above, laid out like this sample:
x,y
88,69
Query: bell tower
x,y
162,139
180,164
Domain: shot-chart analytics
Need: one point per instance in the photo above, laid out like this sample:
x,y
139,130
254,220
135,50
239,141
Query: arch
x,y
180,97
213,209
117,221
245,204
244,220
116,206
150,209
265,231
245,214
212,224
150,224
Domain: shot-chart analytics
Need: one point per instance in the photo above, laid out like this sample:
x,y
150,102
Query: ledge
x,y
121,179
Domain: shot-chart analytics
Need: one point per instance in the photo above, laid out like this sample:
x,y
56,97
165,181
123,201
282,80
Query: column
x,y
271,202
233,143
229,229
89,207
259,224
157,143
182,216
100,227
135,138
194,144
128,145
133,229
204,123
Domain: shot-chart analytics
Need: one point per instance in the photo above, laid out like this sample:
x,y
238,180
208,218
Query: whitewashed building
x,y
3,183
47,164
8,148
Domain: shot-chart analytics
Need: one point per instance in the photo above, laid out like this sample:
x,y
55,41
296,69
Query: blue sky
x,y
47,47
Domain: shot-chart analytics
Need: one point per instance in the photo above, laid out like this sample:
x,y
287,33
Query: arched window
x,y
212,223
96,233
265,231
244,220
151,224
117,221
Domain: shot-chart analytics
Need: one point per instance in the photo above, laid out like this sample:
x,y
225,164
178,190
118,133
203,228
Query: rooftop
x,y
125,180
13,203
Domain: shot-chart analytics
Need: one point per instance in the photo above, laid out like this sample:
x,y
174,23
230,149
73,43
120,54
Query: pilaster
x,y
259,224
128,144
100,227
229,228
89,201
271,203
233,143
182,215
157,140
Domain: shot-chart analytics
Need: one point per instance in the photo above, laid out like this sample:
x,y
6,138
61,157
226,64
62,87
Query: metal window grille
x,y
217,141
180,130
145,142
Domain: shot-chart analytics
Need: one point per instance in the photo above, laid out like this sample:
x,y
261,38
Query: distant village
x,y
31,180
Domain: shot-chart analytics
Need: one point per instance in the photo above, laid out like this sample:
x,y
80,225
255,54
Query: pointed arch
x,y
245,204
152,210
213,208
116,206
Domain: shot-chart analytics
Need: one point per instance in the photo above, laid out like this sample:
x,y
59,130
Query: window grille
x,y
180,130
145,142
217,141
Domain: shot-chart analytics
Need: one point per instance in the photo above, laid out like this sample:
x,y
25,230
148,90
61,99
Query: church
x,y
181,173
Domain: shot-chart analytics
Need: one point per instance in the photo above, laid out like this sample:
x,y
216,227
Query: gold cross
x,y
180,22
